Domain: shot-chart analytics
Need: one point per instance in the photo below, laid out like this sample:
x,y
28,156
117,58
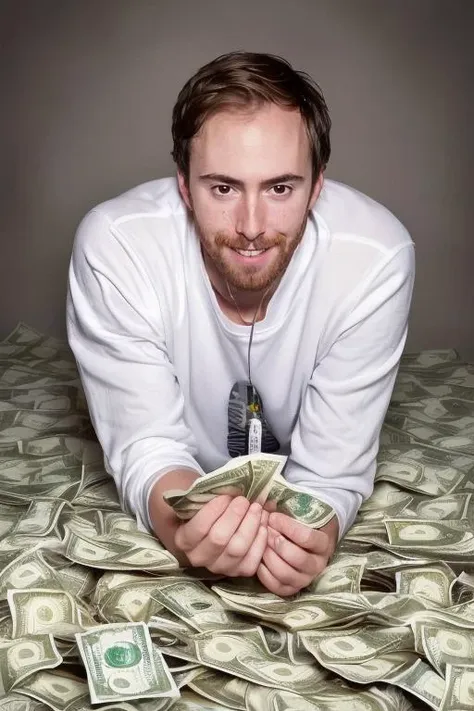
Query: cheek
x,y
285,220
213,217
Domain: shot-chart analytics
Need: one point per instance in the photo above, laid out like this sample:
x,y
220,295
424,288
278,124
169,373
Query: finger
x,y
297,557
191,533
272,584
309,538
249,564
284,573
221,533
270,506
240,543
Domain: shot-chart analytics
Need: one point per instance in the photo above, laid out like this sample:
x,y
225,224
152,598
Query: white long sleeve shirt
x,y
158,358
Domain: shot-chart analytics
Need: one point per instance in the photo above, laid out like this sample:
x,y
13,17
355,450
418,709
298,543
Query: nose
x,y
250,218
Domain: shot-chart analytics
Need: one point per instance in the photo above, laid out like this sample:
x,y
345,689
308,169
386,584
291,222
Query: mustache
x,y
224,240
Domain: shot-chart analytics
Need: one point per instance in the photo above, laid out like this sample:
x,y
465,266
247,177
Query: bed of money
x,y
95,613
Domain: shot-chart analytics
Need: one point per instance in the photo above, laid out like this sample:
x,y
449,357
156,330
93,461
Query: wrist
x,y
163,519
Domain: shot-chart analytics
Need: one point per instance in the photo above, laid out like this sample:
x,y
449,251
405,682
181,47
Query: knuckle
x,y
319,566
194,559
218,537
240,505
300,533
320,541
181,540
283,590
197,531
325,541
237,546
233,572
198,559
216,568
219,502
224,567
304,581
303,561
248,570
286,578
275,519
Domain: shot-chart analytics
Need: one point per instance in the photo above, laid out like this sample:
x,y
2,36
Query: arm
x,y
336,439
116,332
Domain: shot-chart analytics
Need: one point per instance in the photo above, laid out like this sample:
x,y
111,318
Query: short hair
x,y
243,81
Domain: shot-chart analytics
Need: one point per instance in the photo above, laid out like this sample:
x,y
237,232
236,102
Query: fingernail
x,y
255,508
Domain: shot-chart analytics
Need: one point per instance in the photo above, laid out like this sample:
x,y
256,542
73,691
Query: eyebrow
x,y
277,180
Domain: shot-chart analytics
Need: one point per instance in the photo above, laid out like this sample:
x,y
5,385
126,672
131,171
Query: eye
x,y
282,189
221,190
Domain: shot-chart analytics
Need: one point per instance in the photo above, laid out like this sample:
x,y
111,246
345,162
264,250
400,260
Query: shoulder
x,y
157,198
358,221
139,220
368,251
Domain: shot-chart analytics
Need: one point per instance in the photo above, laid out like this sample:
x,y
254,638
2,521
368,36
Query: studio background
x,y
87,90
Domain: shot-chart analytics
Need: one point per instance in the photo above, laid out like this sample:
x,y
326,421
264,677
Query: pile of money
x,y
93,611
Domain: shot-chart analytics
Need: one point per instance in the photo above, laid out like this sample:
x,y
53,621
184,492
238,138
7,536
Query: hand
x,y
295,554
227,536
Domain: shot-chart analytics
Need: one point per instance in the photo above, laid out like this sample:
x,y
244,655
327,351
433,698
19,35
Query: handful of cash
x,y
258,478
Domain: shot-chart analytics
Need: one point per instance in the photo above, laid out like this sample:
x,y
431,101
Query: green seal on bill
x,y
124,654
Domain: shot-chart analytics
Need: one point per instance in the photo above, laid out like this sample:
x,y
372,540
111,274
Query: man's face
x,y
250,190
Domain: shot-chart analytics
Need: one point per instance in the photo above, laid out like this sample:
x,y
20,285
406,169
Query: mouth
x,y
250,252
256,258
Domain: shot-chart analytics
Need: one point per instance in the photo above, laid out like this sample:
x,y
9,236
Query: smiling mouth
x,y
250,252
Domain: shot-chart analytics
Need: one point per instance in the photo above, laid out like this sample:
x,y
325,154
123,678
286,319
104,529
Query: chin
x,y
258,282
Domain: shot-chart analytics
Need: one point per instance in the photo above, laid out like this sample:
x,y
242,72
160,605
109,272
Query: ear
x,y
318,186
184,190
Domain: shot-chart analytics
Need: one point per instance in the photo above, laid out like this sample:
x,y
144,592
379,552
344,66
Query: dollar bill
x,y
433,582
459,694
131,601
356,645
229,691
55,689
445,645
194,603
139,551
23,657
40,611
122,663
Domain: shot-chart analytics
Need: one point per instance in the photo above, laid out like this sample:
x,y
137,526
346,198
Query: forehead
x,y
270,137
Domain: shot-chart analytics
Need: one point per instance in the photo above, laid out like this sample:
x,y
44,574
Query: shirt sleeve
x,y
336,439
115,329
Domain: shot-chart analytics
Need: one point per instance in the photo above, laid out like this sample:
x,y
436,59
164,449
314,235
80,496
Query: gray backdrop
x,y
88,88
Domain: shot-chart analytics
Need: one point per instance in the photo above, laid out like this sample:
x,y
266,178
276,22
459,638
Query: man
x,y
247,303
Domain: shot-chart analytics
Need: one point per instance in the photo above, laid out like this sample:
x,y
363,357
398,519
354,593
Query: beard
x,y
255,278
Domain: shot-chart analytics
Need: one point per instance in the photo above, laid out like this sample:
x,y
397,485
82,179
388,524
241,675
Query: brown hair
x,y
243,80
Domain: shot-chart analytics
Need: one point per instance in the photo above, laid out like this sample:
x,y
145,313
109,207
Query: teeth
x,y
250,252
